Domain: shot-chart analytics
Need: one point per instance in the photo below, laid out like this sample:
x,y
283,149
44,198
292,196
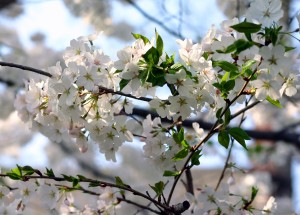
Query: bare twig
x,y
155,20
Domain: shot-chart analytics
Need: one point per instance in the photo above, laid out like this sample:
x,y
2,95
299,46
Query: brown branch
x,y
100,184
38,71
145,99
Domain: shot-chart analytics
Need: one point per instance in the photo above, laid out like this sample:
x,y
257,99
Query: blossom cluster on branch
x,y
90,101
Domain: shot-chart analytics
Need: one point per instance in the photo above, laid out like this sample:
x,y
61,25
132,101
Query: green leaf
x,y
158,188
144,74
229,85
176,67
69,178
179,136
254,193
225,77
14,176
226,66
49,172
168,173
119,181
181,154
94,184
239,132
195,160
17,171
75,183
123,83
248,36
227,117
242,45
246,27
223,138
239,135
139,36
185,144
217,85
274,102
156,77
159,43
229,49
289,48
27,170
218,114
237,47
248,64
81,177
205,55
151,56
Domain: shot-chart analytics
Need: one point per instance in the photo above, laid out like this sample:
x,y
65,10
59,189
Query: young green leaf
x,y
181,154
274,102
218,114
159,43
139,36
226,66
179,137
68,178
239,135
242,45
254,193
227,117
229,85
27,170
158,188
94,184
17,170
49,172
195,160
151,56
169,173
246,27
14,176
223,138
119,181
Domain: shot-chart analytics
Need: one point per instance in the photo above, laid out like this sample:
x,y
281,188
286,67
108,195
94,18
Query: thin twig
x,y
225,166
153,19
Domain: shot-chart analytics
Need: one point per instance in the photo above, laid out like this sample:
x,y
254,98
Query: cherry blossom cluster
x,y
87,100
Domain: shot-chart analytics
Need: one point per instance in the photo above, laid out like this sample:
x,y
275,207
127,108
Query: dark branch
x,y
287,136
38,71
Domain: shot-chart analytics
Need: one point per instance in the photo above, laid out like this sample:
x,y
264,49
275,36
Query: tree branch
x,y
284,134
38,71
153,19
